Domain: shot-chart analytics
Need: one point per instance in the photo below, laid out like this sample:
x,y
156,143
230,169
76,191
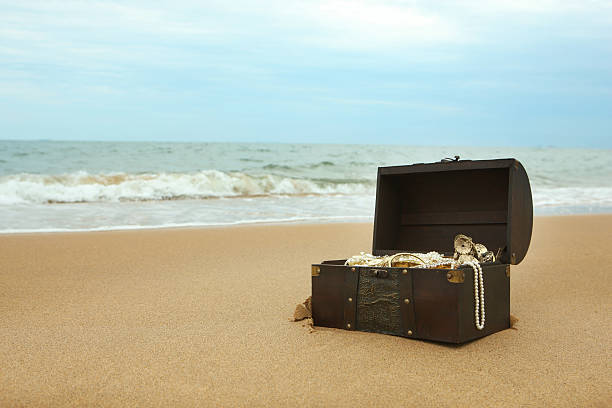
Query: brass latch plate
x,y
455,276
316,270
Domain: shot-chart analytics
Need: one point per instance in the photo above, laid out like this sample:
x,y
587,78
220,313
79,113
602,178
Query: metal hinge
x,y
450,159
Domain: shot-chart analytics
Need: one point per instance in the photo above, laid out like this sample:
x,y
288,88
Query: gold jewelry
x,y
406,254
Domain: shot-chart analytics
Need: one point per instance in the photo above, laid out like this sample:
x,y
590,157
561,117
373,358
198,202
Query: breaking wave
x,y
546,197
81,187
84,187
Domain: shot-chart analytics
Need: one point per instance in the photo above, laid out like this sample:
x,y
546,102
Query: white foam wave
x,y
264,221
572,196
84,187
79,187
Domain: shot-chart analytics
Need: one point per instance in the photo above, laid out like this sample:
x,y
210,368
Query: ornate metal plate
x,y
378,301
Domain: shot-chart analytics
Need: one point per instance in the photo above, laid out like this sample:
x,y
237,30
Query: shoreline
x,y
242,225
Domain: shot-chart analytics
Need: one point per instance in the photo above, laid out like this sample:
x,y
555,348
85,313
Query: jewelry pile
x,y
466,253
402,260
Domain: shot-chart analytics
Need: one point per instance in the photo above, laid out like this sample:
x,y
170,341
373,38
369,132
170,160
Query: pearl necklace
x,y
479,302
422,260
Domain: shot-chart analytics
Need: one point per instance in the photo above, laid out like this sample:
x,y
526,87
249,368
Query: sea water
x,y
65,186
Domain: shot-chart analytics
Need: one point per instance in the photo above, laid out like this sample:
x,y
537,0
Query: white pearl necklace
x,y
479,302
423,260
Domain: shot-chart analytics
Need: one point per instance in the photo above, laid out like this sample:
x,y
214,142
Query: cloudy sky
x,y
523,72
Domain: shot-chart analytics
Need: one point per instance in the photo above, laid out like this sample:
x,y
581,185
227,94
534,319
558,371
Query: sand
x,y
197,317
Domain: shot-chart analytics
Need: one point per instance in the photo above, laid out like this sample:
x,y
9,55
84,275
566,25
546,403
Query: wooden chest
x,y
421,208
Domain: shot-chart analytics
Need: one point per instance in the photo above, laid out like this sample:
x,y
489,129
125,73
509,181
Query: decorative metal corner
x,y
508,271
316,270
455,276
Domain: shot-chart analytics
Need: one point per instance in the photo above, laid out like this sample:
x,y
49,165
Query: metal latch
x,y
455,276
316,270
449,159
380,273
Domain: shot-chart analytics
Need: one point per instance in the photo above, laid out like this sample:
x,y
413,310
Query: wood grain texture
x,y
422,207
437,309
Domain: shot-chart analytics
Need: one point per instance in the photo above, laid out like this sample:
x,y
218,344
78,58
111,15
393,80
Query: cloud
x,y
540,6
275,45
190,32
136,17
412,105
369,25
357,24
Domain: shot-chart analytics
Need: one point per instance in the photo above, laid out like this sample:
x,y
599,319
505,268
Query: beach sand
x,y
196,317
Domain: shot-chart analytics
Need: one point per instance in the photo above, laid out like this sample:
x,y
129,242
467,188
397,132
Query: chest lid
x,y
421,207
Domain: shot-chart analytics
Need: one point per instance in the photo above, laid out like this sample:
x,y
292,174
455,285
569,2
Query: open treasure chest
x,y
445,235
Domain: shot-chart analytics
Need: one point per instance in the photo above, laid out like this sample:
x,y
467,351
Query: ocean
x,y
76,186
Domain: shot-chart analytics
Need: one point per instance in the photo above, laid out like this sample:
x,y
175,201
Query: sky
x,y
499,73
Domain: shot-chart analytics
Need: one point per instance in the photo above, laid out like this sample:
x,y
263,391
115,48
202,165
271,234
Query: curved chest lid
x,y
422,207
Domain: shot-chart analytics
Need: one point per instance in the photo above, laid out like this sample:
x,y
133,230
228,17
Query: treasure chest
x,y
422,208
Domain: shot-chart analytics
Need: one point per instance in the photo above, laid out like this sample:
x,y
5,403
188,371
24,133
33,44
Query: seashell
x,y
480,250
488,256
464,258
463,244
